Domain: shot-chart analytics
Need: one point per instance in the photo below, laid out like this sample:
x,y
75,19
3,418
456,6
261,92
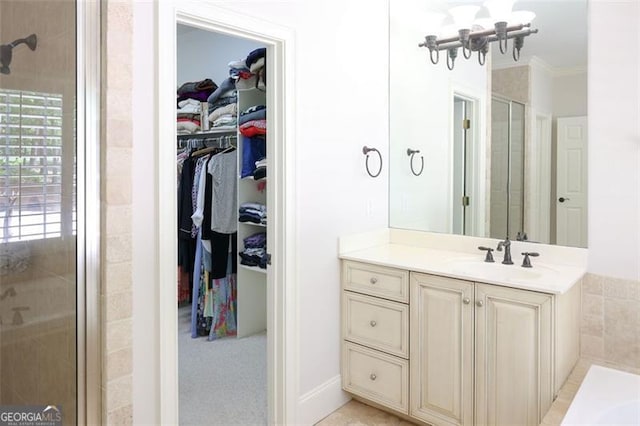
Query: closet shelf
x,y
253,224
251,179
253,268
210,132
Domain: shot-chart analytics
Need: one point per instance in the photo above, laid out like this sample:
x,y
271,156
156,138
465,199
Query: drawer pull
x,y
373,323
373,280
373,376
479,303
466,300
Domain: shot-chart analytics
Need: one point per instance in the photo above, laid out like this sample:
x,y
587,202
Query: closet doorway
x,y
222,226
234,319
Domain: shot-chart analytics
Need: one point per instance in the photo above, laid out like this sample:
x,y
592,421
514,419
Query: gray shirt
x,y
224,170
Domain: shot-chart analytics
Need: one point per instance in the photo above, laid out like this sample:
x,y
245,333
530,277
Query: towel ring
x,y
366,150
411,153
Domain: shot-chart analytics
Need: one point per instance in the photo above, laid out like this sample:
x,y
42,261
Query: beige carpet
x,y
223,382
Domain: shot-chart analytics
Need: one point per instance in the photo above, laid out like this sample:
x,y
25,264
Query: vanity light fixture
x,y
474,35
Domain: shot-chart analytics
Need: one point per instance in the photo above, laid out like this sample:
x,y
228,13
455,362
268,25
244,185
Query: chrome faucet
x,y
507,251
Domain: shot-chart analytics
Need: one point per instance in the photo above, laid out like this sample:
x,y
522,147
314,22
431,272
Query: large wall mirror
x,y
502,146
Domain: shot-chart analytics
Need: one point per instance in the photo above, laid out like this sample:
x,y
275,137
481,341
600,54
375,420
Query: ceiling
x,y
561,40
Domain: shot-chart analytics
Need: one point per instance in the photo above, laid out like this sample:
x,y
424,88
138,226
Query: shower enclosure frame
x,y
510,102
88,118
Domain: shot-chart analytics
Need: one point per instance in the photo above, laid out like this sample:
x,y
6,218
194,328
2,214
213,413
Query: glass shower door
x,y
507,168
38,309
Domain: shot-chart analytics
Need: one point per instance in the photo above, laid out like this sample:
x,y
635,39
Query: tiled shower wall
x,y
116,294
610,328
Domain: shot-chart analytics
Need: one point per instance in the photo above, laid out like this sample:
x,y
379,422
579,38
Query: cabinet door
x,y
513,356
441,350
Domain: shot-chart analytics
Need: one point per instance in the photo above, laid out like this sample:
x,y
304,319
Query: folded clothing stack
x,y
253,212
188,120
223,108
250,72
261,169
255,250
254,149
198,90
190,96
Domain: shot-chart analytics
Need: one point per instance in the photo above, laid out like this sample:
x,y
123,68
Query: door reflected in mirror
x,y
504,143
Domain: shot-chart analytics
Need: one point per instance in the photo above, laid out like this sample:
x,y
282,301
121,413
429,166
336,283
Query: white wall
x,y
341,105
614,138
541,87
420,121
204,54
570,94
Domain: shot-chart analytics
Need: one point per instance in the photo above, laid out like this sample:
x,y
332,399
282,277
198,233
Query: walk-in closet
x,y
222,223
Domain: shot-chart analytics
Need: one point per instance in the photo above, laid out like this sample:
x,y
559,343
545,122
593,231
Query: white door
x,y
441,354
571,185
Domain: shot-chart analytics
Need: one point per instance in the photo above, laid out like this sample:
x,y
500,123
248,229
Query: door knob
x,y
466,301
563,199
479,303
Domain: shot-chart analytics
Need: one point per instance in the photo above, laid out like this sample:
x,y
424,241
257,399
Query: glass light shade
x,y
447,31
484,23
463,16
521,17
499,10
433,23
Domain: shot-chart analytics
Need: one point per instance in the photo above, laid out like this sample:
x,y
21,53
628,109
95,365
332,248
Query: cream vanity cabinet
x,y
478,353
375,329
479,345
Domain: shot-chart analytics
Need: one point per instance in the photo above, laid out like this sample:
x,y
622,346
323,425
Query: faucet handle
x,y
489,256
526,262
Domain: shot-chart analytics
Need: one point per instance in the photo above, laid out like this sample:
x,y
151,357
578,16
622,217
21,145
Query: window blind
x,y
31,172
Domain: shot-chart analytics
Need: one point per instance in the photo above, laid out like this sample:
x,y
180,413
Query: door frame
x,y
477,141
282,358
89,351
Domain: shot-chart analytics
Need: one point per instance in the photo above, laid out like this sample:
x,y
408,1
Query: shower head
x,y
6,51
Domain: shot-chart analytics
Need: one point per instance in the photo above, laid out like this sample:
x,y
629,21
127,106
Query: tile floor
x,y
355,413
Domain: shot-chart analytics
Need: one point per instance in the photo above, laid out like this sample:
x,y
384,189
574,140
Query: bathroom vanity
x,y
432,332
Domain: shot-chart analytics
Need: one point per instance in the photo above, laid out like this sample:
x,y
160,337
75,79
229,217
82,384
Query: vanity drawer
x,y
376,376
375,280
377,323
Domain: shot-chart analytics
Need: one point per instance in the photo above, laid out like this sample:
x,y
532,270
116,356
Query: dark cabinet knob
x,y
563,199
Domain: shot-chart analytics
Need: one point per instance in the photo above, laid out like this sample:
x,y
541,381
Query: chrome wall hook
x,y
411,153
366,150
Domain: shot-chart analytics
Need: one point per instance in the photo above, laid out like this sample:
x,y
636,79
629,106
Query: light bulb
x,y
521,17
463,16
499,10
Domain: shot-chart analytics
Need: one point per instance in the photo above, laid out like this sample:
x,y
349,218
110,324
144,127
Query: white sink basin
x,y
479,269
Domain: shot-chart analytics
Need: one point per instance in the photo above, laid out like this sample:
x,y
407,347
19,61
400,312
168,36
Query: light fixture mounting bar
x,y
491,37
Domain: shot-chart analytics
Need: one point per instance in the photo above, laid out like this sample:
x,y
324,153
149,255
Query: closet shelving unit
x,y
252,281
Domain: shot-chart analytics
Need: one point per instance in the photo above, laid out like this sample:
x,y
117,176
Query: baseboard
x,y
321,401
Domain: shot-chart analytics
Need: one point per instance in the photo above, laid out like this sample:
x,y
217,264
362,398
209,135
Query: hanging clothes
x,y
214,291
